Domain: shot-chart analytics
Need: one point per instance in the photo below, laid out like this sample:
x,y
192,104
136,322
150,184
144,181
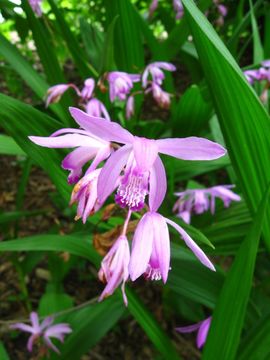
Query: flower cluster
x,y
44,331
261,74
202,327
133,170
91,105
198,201
120,87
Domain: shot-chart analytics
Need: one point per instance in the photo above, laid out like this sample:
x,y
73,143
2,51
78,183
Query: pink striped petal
x,y
65,141
102,128
191,148
157,185
197,251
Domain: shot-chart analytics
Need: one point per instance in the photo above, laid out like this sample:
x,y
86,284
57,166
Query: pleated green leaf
x,y
244,122
129,54
230,310
9,147
20,121
3,352
27,72
255,346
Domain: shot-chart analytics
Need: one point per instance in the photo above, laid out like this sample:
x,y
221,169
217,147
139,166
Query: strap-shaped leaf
x,y
229,314
243,119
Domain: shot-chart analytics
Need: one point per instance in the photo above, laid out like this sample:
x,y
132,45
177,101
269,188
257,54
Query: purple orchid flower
x,y
252,75
150,254
45,330
55,92
178,8
154,69
202,327
114,268
88,148
95,107
35,5
143,169
85,194
88,89
130,107
162,98
198,201
120,84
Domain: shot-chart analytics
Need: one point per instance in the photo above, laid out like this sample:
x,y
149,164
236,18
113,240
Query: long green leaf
x,y
27,72
20,121
9,147
228,317
243,119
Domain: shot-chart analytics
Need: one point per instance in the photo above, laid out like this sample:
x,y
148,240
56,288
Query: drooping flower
x,y
120,84
88,89
202,327
44,331
55,92
85,194
95,107
162,98
150,254
198,201
178,8
35,5
88,147
153,7
143,171
130,107
157,75
114,268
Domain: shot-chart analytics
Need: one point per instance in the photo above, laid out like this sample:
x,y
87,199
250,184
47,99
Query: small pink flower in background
x,y
130,107
162,98
120,84
45,330
150,253
114,268
95,107
154,69
198,201
178,8
55,92
202,327
87,91
35,5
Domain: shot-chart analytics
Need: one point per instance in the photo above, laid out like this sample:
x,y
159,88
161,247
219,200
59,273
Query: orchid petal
x,y
189,328
191,148
161,244
203,332
51,345
141,247
65,141
145,153
197,251
110,172
102,128
157,185
46,322
23,327
30,342
35,321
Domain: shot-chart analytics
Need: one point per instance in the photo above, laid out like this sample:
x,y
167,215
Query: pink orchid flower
x,y
178,8
95,107
130,107
198,201
143,170
45,330
202,327
114,268
55,92
154,69
152,8
150,254
88,89
162,98
120,84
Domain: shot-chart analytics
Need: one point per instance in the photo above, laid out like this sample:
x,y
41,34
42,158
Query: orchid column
x,y
134,171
